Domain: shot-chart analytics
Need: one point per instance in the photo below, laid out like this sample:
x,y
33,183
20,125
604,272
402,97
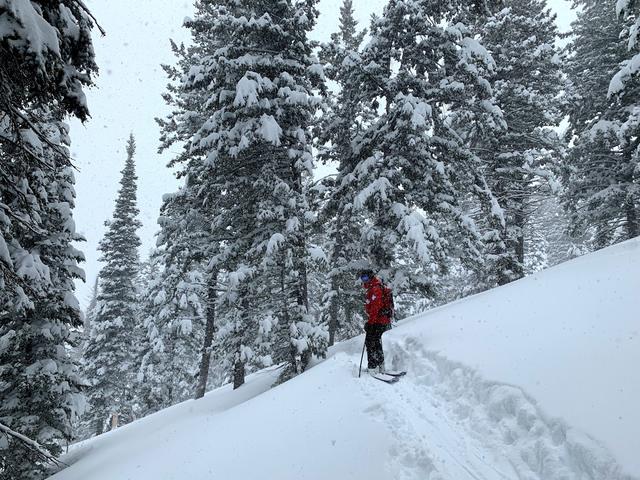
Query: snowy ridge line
x,y
449,422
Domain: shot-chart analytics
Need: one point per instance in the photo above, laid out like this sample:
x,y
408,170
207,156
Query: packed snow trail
x,y
568,336
536,380
449,423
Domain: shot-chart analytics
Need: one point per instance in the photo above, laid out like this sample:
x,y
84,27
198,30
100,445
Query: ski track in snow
x,y
448,423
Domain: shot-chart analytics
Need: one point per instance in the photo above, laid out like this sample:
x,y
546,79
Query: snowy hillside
x,y
535,380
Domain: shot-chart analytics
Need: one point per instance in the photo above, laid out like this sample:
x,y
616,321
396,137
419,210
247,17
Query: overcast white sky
x,y
127,98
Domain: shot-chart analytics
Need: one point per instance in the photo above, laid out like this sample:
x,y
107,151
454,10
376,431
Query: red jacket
x,y
374,302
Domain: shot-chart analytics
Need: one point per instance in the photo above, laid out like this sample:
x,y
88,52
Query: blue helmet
x,y
366,275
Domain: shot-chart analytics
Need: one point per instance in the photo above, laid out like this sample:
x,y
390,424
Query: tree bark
x,y
238,370
633,229
519,220
205,359
333,311
336,299
114,421
238,364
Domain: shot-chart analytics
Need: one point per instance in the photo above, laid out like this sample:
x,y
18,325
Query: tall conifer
x,y
343,120
423,73
527,82
600,175
46,61
109,352
248,158
40,393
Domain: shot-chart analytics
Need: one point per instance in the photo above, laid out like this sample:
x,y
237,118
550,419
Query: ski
x,y
395,374
385,378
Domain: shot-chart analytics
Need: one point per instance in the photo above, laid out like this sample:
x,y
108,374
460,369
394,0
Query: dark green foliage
x,y
42,75
601,174
520,159
110,352
39,384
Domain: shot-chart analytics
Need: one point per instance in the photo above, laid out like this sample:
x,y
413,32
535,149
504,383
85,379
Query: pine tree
x,y
47,59
40,389
600,174
527,82
90,312
42,75
151,303
246,107
173,309
549,226
208,347
84,428
109,353
342,121
40,71
625,81
625,89
422,72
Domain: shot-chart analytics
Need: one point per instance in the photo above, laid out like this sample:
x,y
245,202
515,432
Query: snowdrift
x,y
535,380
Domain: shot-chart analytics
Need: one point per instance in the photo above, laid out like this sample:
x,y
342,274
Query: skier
x,y
379,309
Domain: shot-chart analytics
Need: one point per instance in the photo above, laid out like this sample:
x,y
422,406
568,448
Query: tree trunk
x,y
99,424
519,220
238,370
205,359
633,229
300,294
333,311
336,299
302,300
284,340
114,421
505,265
238,364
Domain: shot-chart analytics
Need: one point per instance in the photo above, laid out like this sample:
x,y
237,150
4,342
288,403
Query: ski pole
x,y
362,357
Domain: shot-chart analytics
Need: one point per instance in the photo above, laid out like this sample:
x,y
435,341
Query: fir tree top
x,y
120,244
348,27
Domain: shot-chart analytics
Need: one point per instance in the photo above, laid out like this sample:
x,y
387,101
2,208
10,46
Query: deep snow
x,y
534,380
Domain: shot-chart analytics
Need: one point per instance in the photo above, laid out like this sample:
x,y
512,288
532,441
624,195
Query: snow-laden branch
x,y
86,10
32,445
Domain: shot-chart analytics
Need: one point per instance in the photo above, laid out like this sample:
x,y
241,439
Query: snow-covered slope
x,y
535,380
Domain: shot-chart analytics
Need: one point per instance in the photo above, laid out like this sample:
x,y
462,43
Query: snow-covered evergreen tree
x,y
341,122
625,91
625,81
173,310
84,428
47,59
548,234
40,390
423,72
527,82
248,156
152,349
90,312
110,350
601,175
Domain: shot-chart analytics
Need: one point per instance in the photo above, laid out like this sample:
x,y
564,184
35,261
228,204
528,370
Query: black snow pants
x,y
373,341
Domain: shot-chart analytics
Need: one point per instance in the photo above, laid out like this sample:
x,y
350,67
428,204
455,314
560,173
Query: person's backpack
x,y
388,307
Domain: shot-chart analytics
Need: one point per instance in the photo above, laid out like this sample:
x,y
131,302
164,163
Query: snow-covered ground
x,y
537,380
